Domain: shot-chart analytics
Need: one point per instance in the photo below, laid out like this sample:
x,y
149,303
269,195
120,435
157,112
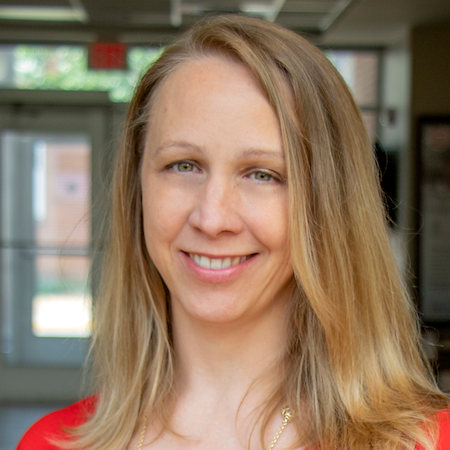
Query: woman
x,y
248,267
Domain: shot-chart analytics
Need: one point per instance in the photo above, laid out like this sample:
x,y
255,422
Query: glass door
x,y
48,158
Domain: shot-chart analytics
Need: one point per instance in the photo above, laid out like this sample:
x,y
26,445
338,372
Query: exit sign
x,y
107,56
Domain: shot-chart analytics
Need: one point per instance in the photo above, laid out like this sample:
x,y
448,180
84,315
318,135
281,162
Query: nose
x,y
217,208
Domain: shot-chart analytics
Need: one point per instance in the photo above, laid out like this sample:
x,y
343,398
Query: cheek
x,y
164,216
267,216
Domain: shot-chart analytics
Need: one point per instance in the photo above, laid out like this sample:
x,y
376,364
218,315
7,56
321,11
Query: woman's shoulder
x,y
51,426
444,431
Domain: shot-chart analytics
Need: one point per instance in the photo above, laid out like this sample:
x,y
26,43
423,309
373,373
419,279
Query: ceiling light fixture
x,y
43,13
176,13
268,10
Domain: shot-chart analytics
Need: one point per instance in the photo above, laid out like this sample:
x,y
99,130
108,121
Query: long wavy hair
x,y
354,370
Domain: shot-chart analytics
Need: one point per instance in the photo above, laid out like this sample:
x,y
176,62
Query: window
x,y
66,68
360,70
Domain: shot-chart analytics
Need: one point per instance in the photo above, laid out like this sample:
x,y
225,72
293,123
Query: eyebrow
x,y
179,144
246,154
272,154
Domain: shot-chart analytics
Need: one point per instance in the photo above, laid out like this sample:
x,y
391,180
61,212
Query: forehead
x,y
202,74
213,103
209,93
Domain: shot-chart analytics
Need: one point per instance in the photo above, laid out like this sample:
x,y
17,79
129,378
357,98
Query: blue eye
x,y
184,166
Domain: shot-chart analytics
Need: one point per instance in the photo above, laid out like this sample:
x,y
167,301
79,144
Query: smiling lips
x,y
217,264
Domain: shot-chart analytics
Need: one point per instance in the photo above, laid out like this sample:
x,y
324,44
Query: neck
x,y
218,361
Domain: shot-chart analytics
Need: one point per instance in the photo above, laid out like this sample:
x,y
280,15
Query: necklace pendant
x,y
286,413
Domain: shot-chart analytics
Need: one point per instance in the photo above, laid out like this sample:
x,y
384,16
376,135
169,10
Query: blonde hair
x,y
354,371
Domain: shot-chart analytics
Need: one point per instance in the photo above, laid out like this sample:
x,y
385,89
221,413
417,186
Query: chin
x,y
220,309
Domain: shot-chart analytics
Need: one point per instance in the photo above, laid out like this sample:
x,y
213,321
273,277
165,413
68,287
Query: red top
x,y
444,433
50,427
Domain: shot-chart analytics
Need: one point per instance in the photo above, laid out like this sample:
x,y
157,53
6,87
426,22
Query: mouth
x,y
218,263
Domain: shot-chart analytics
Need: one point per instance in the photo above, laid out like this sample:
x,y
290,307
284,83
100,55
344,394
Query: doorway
x,y
55,148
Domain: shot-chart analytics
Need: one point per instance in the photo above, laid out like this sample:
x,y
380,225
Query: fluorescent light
x,y
43,13
268,10
259,8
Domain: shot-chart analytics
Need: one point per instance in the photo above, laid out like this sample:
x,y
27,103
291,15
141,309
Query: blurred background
x,y
68,69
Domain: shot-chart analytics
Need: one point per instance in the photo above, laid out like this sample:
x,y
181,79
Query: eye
x,y
184,166
260,175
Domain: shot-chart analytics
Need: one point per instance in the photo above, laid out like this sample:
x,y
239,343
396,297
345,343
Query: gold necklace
x,y
287,416
285,412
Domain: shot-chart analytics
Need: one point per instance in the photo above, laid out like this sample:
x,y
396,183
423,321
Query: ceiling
x,y
330,22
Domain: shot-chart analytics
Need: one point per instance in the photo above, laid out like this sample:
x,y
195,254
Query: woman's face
x,y
215,200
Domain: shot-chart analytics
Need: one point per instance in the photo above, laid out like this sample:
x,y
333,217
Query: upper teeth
x,y
217,264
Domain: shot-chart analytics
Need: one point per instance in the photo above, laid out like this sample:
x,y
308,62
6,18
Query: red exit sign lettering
x,y
107,56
